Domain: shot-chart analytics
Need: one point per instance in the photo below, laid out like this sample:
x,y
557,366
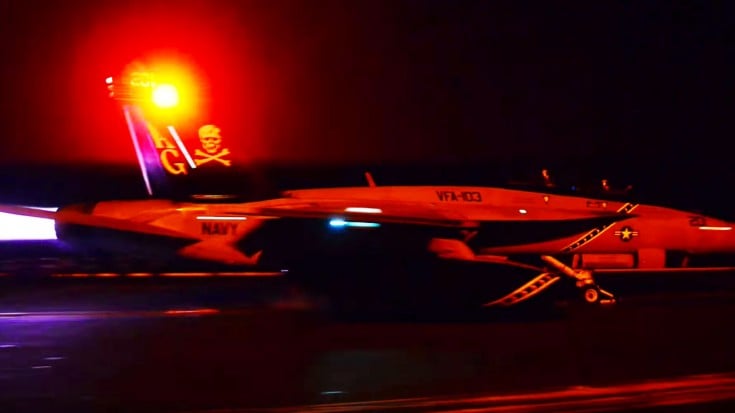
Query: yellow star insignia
x,y
626,234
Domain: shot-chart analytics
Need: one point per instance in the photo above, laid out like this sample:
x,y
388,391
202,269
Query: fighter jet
x,y
556,236
553,237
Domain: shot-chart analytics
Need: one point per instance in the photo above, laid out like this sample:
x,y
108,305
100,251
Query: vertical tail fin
x,y
164,160
145,150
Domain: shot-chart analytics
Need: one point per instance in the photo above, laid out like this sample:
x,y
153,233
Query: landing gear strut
x,y
591,292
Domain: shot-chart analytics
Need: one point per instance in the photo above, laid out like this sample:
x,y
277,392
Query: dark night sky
x,y
377,81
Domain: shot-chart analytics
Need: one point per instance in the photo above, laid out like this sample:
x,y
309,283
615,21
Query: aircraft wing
x,y
400,213
418,213
78,218
413,217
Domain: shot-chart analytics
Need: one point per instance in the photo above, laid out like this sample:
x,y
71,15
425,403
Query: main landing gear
x,y
591,292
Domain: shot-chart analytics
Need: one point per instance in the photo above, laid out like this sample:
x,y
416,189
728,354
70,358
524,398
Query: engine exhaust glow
x,y
18,227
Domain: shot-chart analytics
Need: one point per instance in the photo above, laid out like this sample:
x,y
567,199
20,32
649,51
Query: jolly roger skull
x,y
210,138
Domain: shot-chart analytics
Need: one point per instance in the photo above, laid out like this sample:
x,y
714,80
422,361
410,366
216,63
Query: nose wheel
x,y
595,295
591,295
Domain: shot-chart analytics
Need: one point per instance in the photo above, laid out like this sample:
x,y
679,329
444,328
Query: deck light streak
x,y
706,228
220,218
523,211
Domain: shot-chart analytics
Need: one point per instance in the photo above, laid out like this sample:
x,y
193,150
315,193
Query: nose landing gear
x,y
595,295
591,292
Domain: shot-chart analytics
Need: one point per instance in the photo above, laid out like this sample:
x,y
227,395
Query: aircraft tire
x,y
591,295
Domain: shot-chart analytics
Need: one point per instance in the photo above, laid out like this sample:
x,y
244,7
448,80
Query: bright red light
x,y
214,84
165,96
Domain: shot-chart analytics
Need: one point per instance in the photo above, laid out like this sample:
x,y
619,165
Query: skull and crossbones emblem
x,y
211,140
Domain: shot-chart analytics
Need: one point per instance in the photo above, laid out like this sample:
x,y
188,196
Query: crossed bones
x,y
214,157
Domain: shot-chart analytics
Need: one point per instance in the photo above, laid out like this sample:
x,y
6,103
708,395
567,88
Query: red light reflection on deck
x,y
196,311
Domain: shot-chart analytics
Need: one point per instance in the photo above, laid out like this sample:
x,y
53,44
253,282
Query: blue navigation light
x,y
363,224
341,223
337,223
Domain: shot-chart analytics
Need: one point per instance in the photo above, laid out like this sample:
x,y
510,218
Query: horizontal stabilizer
x,y
216,250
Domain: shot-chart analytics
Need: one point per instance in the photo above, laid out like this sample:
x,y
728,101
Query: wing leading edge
x,y
72,217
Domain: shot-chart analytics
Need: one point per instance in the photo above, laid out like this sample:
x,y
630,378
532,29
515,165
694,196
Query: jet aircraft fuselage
x,y
570,236
490,221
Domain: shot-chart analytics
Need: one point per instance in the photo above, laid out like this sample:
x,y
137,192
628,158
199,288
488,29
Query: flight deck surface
x,y
192,345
